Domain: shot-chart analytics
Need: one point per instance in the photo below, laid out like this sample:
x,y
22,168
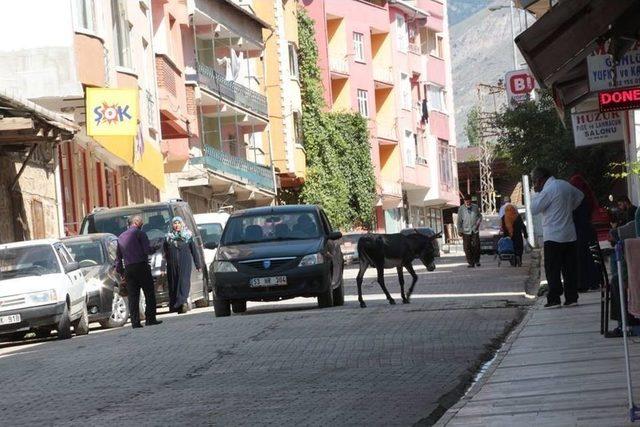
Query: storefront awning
x,y
557,45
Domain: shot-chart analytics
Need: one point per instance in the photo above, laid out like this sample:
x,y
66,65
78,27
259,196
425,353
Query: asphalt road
x,y
285,363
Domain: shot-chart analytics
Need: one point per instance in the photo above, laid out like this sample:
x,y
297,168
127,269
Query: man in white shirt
x,y
556,200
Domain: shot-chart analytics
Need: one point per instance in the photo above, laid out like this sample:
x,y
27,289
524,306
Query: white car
x,y
41,289
211,226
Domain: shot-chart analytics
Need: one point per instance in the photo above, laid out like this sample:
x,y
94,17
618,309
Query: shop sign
x,y
619,99
112,112
519,85
601,71
595,127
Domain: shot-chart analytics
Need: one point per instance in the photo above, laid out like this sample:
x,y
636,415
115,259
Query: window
x,y
405,85
85,15
409,149
293,61
402,34
435,43
446,165
121,30
363,102
436,98
358,46
297,126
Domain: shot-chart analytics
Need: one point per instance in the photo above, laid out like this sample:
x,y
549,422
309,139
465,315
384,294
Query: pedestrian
x,y
132,261
179,250
513,226
469,218
627,210
587,272
556,200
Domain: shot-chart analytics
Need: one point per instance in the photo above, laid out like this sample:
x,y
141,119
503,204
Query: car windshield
x,y
490,223
271,227
211,233
86,251
156,221
28,261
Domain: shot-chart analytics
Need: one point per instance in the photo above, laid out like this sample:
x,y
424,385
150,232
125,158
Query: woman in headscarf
x,y
179,251
513,226
588,274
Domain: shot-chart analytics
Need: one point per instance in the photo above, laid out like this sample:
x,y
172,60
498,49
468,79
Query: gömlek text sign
x,y
112,112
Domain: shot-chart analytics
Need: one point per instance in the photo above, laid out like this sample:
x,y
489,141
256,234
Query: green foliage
x,y
340,175
533,135
472,128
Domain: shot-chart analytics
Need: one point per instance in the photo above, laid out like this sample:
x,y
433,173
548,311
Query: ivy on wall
x,y
340,175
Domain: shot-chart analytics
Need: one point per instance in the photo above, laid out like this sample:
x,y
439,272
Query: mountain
x,y
481,52
459,10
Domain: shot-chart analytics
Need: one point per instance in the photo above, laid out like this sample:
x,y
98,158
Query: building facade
x,y
389,60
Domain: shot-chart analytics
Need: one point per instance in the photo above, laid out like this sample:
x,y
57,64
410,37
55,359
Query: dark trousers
x,y
560,264
471,246
138,276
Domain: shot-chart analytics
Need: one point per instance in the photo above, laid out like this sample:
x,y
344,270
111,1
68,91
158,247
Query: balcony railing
x,y
415,49
236,168
391,188
383,74
387,131
233,92
338,64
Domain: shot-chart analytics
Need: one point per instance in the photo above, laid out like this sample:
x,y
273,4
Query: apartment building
x,y
92,45
389,61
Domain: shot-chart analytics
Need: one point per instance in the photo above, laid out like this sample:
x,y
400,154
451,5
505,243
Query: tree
x,y
472,128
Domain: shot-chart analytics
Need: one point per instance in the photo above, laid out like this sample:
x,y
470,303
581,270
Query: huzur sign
x,y
595,127
601,71
112,112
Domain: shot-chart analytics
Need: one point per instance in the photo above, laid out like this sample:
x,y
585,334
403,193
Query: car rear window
x,y
156,221
211,233
271,227
490,223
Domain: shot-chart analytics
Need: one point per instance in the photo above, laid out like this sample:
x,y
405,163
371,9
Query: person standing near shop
x,y
513,226
132,261
469,218
556,200
179,250
588,274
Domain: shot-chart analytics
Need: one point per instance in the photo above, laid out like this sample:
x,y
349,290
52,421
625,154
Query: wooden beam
x,y
16,123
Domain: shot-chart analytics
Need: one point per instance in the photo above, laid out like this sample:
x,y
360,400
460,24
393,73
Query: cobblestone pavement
x,y
279,363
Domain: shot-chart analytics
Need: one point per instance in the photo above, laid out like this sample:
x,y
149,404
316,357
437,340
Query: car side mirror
x,y
335,235
70,267
211,245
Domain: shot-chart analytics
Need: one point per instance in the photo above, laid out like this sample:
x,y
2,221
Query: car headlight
x,y
223,267
38,298
313,259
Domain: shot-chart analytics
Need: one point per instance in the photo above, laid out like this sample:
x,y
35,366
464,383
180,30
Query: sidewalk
x,y
555,369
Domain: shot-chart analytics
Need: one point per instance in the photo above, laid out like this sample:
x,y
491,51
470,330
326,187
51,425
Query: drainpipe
x,y
59,194
268,131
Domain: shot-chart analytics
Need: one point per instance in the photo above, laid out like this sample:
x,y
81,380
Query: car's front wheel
x,y
64,325
325,299
81,326
221,307
119,312
239,306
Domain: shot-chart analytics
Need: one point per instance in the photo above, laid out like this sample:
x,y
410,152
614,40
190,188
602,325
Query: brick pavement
x,y
277,364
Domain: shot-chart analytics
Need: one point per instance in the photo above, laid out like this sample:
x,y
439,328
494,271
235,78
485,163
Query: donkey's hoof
x,y
392,301
406,301
363,305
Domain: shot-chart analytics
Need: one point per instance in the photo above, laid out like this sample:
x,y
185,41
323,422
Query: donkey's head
x,y
425,248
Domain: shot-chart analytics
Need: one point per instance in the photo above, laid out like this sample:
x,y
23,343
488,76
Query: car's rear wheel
x,y
64,325
221,307
325,299
239,306
119,312
81,326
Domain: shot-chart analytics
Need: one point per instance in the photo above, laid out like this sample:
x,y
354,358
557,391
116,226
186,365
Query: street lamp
x,y
513,36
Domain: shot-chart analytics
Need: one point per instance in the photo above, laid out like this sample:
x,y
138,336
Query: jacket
x,y
469,219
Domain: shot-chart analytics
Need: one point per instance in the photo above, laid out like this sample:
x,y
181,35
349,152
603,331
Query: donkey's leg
x,y
414,276
363,267
401,280
382,285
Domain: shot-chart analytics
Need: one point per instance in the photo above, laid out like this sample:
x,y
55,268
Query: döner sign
x,y
619,99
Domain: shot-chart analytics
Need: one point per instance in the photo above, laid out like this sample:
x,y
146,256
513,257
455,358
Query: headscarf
x,y
183,235
578,181
510,217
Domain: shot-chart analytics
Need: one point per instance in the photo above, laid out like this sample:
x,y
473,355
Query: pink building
x,y
389,60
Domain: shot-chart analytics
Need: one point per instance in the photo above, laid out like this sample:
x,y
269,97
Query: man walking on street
x,y
469,219
132,260
556,200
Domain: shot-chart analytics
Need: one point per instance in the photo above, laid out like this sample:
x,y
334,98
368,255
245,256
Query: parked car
x,y
349,247
211,226
157,220
489,233
427,232
41,289
96,254
274,253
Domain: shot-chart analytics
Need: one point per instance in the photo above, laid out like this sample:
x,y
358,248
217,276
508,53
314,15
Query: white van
x,y
41,289
211,226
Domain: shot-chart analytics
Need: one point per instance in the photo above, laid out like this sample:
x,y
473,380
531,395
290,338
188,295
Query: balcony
x,y
383,77
391,188
415,49
236,168
233,92
387,131
339,65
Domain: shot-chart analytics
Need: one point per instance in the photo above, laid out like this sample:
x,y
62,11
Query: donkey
x,y
394,250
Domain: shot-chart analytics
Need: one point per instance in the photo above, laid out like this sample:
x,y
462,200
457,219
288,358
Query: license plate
x,y
8,320
262,282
